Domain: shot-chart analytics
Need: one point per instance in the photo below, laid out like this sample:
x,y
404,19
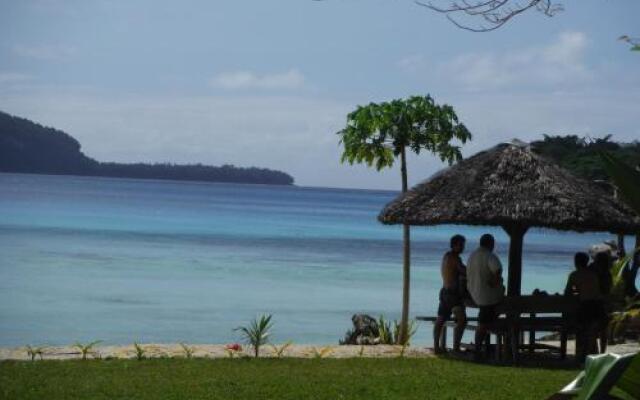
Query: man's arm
x,y
495,267
568,290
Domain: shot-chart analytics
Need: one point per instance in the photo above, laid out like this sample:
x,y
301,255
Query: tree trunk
x,y
406,258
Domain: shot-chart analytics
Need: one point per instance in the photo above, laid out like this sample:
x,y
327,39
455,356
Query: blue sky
x,y
268,83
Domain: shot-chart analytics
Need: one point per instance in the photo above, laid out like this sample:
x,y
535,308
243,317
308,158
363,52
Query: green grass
x,y
356,378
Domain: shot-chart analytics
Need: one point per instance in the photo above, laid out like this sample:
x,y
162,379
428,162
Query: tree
x,y
491,13
377,134
633,42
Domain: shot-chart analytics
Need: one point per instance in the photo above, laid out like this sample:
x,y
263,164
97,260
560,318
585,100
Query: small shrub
x,y
279,351
321,353
411,331
33,351
188,351
257,332
140,351
86,349
233,349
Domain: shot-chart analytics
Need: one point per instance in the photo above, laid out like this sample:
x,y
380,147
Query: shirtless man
x,y
584,283
452,294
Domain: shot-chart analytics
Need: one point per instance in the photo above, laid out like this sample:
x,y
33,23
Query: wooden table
x,y
520,314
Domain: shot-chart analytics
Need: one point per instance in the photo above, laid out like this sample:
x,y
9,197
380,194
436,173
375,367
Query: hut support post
x,y
516,234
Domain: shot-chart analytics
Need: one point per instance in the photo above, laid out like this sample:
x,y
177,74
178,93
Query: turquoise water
x,y
123,260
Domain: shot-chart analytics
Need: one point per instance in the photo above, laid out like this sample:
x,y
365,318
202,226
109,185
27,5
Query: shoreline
x,y
215,351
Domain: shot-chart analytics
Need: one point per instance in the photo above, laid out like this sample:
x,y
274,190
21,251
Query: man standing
x,y
484,282
452,294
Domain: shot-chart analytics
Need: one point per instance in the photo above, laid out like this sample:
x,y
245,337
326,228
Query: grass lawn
x,y
356,378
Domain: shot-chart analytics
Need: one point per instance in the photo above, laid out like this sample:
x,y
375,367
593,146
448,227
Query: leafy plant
x,y
279,351
86,349
233,349
33,351
257,332
625,177
188,351
378,133
140,351
386,332
411,331
321,353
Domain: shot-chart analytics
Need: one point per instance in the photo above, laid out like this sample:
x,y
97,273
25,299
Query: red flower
x,y
234,347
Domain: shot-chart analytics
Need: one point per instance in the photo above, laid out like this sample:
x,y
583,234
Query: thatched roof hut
x,y
511,186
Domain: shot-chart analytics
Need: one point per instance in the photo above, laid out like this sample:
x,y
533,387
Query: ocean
x,y
124,260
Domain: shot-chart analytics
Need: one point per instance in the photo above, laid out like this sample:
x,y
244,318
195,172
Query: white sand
x,y
154,350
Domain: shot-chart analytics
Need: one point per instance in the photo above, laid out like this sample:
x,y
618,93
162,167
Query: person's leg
x,y
481,331
603,338
444,312
461,323
437,333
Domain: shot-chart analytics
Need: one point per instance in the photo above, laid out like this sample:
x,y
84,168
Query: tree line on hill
x,y
28,147
581,155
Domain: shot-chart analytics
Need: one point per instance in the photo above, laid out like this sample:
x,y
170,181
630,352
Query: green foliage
x,y
140,351
188,351
598,370
322,352
377,133
634,42
582,155
267,378
279,351
411,331
620,320
390,331
625,177
86,349
386,332
257,332
33,351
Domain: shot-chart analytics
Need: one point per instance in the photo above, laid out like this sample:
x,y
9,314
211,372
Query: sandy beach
x,y
160,350
157,350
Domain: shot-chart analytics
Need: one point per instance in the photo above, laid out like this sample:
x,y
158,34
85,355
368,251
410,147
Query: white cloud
x,y
45,52
559,63
291,79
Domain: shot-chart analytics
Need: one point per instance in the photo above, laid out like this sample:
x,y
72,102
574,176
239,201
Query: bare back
x,y
449,270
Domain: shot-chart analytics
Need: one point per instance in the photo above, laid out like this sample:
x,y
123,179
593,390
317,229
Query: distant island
x,y
28,147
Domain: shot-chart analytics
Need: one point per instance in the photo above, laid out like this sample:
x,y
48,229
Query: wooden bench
x,y
527,314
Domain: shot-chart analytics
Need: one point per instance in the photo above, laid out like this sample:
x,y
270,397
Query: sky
x,y
268,83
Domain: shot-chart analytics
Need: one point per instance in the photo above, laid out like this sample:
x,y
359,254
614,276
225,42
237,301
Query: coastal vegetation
x,y
86,349
582,155
376,134
287,378
28,147
257,333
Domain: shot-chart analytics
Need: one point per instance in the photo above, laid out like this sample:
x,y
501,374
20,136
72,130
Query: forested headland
x,y
580,155
28,147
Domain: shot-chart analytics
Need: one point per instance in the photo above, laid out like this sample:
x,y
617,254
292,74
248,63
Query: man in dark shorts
x,y
452,294
585,284
484,282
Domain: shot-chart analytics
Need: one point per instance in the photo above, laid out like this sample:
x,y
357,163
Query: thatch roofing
x,y
510,185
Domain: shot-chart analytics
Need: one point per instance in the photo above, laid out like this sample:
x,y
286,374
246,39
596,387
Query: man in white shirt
x,y
484,283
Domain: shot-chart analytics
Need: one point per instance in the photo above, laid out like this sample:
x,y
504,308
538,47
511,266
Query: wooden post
x,y
516,235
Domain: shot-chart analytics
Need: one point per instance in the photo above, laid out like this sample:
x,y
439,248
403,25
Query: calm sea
x,y
124,260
